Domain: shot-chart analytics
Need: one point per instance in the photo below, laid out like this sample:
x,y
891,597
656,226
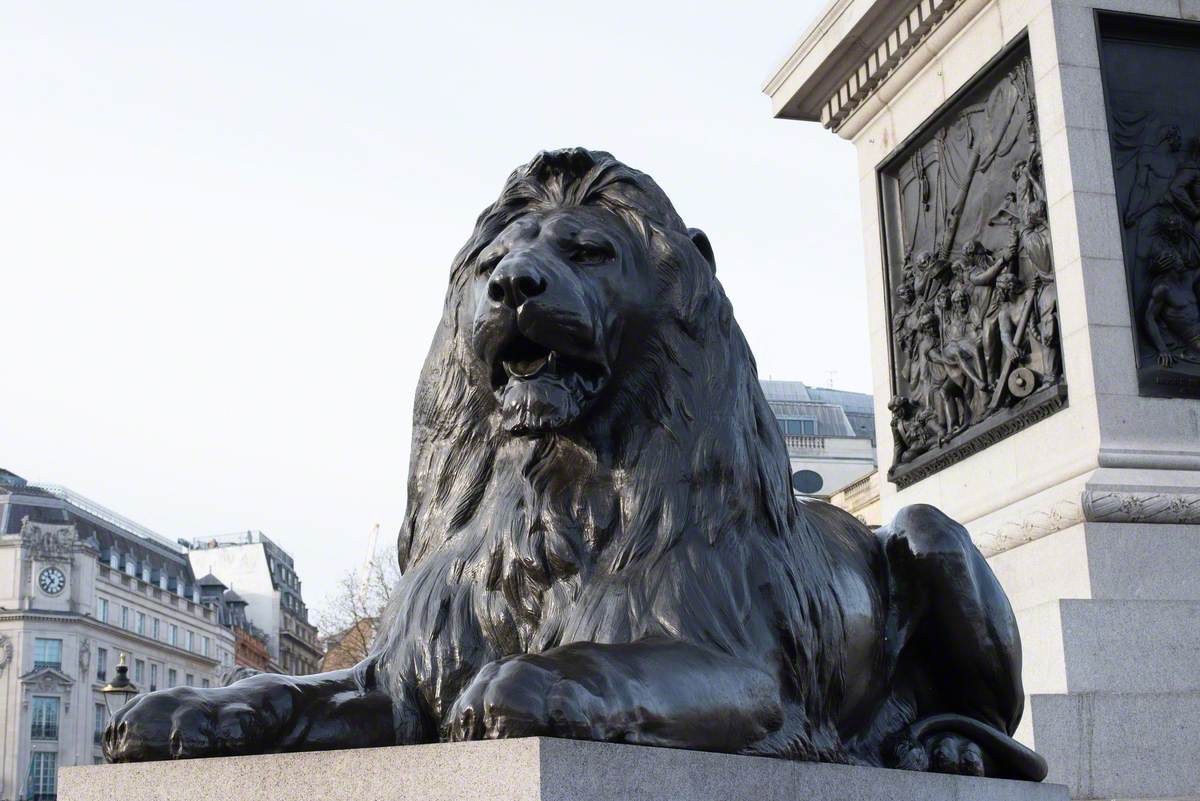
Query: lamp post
x,y
118,691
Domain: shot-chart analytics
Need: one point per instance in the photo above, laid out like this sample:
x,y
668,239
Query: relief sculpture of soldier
x,y
971,186
601,541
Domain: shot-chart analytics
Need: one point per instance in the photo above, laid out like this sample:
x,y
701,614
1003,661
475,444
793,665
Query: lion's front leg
x,y
264,713
651,692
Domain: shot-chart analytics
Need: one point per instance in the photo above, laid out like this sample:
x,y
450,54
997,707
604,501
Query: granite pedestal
x,y
534,769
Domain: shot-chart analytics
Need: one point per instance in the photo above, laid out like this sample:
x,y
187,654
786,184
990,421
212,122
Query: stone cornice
x,y
850,53
883,61
807,42
50,616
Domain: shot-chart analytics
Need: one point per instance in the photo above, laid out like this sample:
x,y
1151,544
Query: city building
x,y
861,499
250,642
829,433
264,576
80,586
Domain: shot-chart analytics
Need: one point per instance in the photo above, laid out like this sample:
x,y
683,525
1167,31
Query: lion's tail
x,y
1009,758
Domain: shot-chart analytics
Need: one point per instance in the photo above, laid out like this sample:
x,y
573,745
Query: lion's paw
x,y
941,753
183,723
524,697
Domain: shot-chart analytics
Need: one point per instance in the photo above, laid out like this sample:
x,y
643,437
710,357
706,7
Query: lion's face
x,y
558,292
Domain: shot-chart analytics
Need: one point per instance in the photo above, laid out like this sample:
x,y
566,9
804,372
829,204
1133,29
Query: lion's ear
x,y
700,240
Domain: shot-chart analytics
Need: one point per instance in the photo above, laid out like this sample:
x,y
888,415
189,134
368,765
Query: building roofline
x,y
107,516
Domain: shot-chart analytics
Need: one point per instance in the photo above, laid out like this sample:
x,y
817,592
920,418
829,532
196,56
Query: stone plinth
x,y
535,768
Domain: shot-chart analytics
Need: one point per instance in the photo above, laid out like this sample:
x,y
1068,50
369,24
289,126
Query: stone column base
x,y
1110,628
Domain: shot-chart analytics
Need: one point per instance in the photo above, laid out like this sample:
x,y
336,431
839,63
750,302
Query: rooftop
x,y
828,408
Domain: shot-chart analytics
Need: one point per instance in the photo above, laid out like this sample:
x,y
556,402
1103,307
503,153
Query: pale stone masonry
x,y
1091,516
79,586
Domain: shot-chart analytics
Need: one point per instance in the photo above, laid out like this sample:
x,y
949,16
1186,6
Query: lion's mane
x,y
669,513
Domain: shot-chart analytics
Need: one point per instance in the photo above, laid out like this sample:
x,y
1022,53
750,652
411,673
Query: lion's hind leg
x,y
960,660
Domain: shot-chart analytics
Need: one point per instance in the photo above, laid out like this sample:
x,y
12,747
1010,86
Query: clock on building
x,y
52,580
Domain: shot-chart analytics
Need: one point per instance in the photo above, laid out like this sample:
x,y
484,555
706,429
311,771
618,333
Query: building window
x,y
192,641
47,654
190,679
125,617
101,721
156,621
139,671
42,774
174,631
172,677
45,718
205,683
207,645
153,677
141,623
794,427
101,664
102,610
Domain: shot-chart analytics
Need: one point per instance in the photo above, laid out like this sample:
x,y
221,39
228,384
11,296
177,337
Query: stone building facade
x,y
80,586
829,433
264,575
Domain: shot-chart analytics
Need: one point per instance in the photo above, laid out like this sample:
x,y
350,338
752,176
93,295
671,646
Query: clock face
x,y
52,580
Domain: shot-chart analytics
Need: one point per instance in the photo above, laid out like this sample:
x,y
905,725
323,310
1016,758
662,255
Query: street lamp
x,y
118,691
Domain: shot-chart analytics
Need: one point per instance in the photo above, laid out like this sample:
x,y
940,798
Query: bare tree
x,y
350,619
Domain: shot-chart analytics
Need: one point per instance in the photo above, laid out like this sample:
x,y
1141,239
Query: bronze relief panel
x,y
972,300
1150,70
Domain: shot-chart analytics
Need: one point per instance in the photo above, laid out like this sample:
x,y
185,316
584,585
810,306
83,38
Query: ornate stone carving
x,y
6,652
1028,526
972,301
1154,125
1102,506
47,542
85,656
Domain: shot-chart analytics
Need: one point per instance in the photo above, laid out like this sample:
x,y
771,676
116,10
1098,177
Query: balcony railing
x,y
805,442
56,665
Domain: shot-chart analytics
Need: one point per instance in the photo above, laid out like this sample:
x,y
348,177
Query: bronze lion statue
x,y
601,540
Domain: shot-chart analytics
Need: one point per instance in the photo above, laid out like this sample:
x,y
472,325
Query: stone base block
x,y
534,769
1106,746
1104,561
1081,646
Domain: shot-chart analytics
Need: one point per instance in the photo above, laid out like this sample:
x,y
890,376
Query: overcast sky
x,y
226,228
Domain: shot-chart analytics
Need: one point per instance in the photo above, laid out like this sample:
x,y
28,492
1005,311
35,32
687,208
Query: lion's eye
x,y
486,266
584,253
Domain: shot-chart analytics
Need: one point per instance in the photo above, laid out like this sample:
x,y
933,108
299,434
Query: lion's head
x,y
584,322
567,272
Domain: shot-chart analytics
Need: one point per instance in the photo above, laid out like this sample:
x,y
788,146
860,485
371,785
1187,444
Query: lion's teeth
x,y
525,369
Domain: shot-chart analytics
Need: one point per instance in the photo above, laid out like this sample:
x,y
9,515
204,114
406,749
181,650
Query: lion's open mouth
x,y
542,388
523,359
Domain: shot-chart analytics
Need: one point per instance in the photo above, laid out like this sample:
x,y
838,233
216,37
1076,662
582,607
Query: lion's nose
x,y
515,281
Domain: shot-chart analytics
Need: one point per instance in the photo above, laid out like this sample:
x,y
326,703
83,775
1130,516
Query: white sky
x,y
227,227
